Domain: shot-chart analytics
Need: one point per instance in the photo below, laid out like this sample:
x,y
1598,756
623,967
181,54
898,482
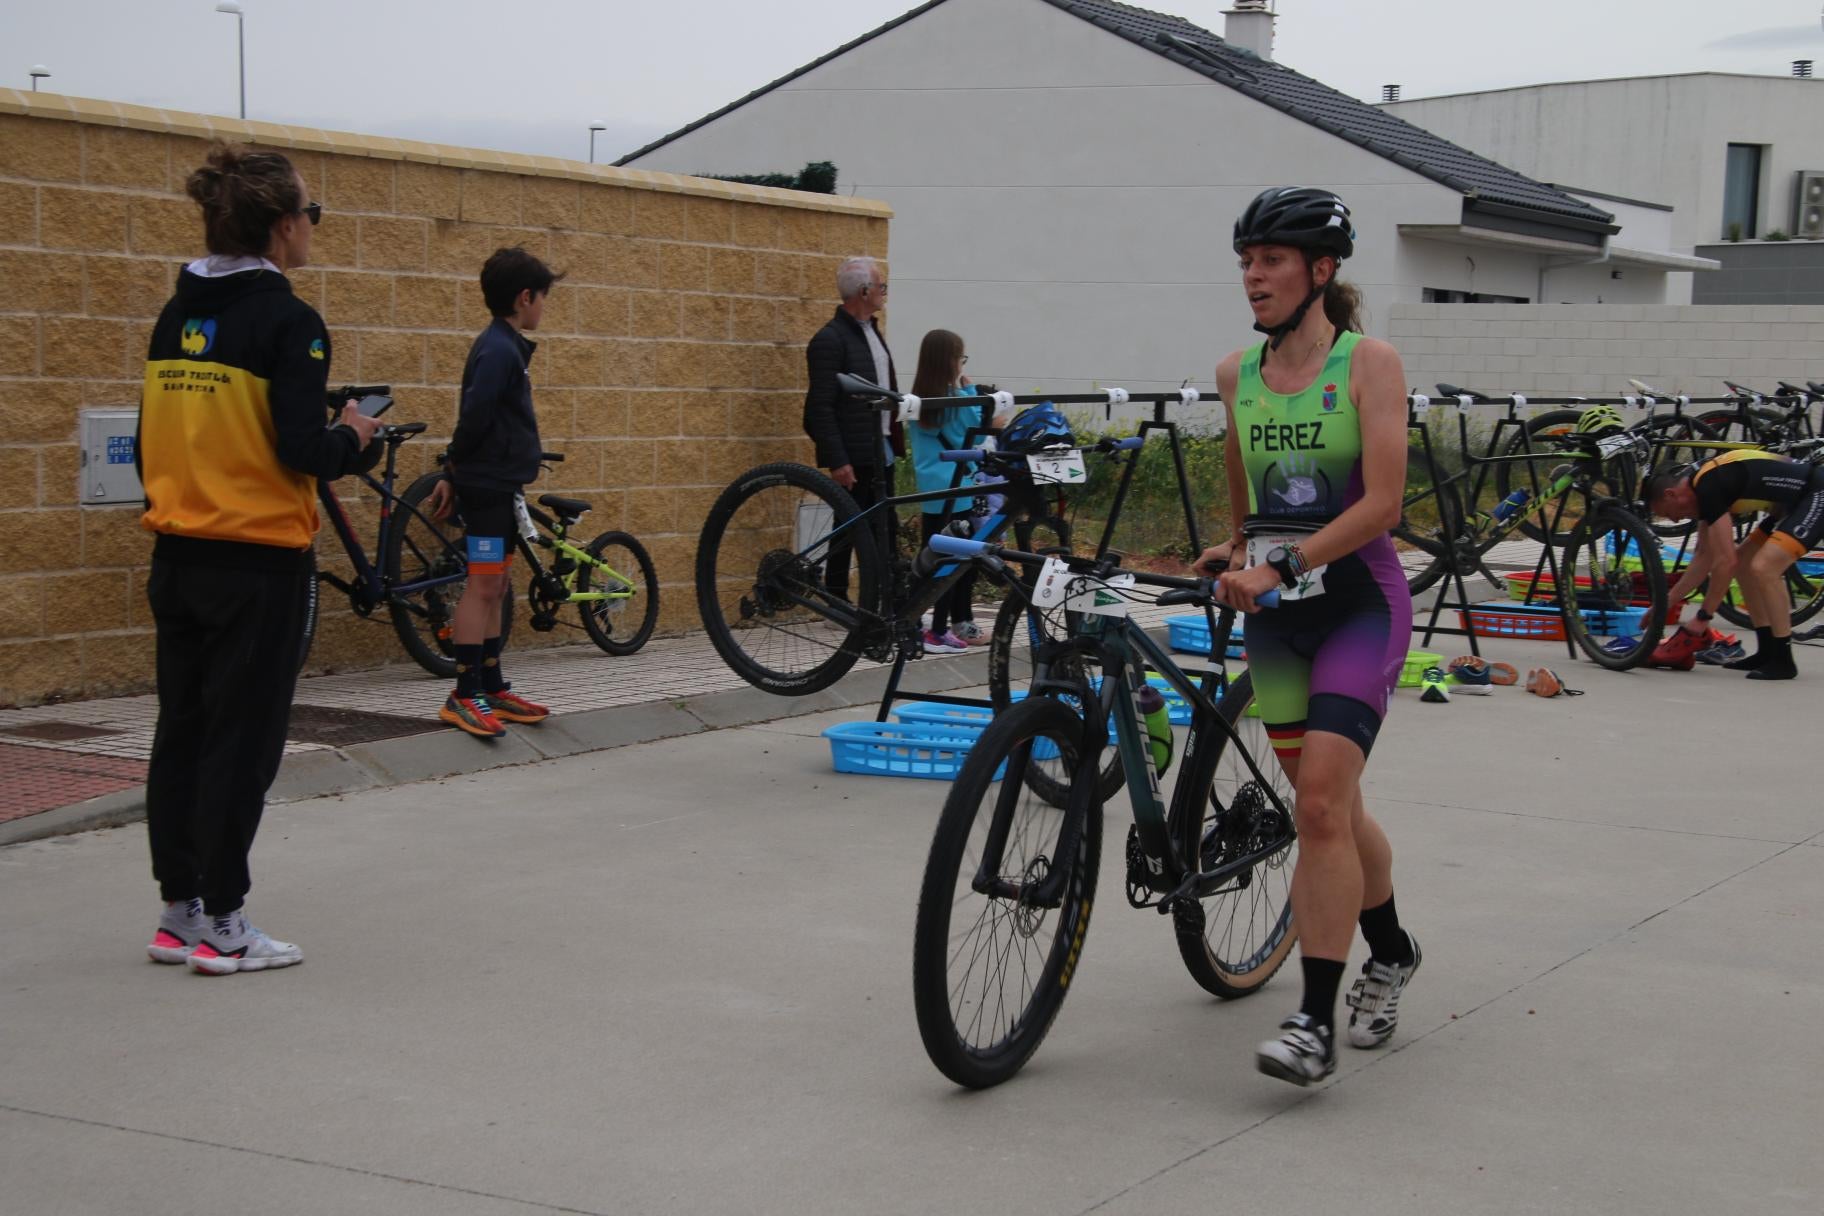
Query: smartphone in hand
x,y
374,405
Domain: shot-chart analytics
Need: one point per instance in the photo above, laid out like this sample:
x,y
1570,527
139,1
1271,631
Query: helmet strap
x,y
1277,333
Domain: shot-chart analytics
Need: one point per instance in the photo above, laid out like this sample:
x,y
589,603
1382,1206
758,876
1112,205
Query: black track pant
x,y
228,648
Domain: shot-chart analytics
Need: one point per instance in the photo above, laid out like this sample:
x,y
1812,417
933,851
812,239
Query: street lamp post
x,y
593,128
233,9
39,72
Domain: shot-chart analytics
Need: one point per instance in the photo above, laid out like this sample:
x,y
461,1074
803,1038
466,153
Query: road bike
x,y
1010,880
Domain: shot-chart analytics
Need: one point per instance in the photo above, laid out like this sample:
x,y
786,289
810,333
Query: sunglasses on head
x,y
313,212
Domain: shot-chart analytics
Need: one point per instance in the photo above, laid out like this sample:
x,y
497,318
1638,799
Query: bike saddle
x,y
1451,390
399,434
571,509
855,386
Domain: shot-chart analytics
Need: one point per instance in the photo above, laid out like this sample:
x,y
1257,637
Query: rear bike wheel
x,y
1246,932
1612,587
1804,594
419,549
1431,522
992,959
1681,429
621,622
760,579
1541,428
1016,661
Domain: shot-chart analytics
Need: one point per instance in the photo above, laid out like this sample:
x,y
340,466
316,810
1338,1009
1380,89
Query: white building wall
x,y
1660,138
1064,199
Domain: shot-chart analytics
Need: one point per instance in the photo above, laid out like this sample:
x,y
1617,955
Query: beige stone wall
x,y
671,356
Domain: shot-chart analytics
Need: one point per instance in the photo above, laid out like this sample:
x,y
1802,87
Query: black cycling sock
x,y
1323,976
1779,664
468,670
1386,940
1763,636
491,679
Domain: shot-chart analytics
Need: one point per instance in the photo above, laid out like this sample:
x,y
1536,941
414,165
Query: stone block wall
x,y
671,355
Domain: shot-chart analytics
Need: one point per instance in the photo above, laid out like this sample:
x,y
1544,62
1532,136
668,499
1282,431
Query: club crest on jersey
x,y
316,348
1329,396
198,336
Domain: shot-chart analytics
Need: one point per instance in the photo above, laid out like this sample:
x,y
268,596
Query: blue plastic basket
x,y
973,717
901,749
1191,635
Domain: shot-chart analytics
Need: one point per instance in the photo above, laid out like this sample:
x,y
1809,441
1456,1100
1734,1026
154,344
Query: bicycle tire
x,y
603,619
745,589
1594,575
1042,945
1435,541
1728,425
1664,427
1510,476
418,548
313,604
1018,631
1232,957
1805,595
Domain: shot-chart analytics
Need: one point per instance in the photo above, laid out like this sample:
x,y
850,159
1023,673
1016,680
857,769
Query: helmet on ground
x,y
1037,427
1301,216
1600,418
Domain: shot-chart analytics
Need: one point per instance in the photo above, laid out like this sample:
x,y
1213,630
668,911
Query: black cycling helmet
x,y
1301,216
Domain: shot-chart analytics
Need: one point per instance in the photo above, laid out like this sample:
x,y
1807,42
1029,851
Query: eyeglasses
x,y
313,212
881,287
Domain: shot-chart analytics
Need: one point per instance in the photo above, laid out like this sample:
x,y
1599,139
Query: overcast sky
x,y
530,75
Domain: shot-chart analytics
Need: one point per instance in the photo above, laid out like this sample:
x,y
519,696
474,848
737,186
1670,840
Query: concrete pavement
x,y
675,977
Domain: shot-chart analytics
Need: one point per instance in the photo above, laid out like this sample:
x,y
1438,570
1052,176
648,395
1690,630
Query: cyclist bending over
x,y
1740,483
1316,457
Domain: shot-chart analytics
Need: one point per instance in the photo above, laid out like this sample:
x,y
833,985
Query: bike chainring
x,y
545,601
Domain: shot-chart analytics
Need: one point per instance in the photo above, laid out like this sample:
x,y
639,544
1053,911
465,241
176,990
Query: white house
x,y
1065,174
1726,152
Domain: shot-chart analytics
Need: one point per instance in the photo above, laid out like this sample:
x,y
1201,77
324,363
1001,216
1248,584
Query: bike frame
x,y
369,587
556,538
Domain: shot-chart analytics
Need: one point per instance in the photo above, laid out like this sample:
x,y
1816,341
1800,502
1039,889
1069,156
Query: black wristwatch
x,y
1704,616
1281,562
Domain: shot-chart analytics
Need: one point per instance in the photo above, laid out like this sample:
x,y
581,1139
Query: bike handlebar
x,y
962,548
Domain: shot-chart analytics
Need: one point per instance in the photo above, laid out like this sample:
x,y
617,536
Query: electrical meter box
x,y
108,473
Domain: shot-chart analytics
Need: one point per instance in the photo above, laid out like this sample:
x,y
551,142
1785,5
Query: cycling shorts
x,y
1802,527
1331,663
489,524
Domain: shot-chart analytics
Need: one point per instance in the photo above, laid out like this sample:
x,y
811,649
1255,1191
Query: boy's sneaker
x,y
970,634
231,945
511,707
471,714
180,927
1306,1052
1374,1000
1722,652
949,643
1433,683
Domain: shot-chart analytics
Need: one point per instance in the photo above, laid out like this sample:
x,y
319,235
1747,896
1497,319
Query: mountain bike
x,y
1010,880
423,563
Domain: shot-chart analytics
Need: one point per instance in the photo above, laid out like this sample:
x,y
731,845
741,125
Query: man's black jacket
x,y
841,428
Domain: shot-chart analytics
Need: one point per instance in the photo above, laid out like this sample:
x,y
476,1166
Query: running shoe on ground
x,y
949,643
1374,1001
511,707
1679,651
471,714
1470,670
1433,684
1306,1052
1722,652
1621,645
970,633
180,927
1471,690
231,945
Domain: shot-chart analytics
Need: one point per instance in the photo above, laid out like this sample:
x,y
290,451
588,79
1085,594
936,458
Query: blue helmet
x,y
1037,427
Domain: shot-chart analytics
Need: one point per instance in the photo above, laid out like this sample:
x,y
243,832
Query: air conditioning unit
x,y
1808,205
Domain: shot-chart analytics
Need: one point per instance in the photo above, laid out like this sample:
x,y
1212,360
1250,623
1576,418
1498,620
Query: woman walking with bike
x,y
1316,456
231,442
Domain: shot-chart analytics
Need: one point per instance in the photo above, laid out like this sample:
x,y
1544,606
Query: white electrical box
x,y
108,472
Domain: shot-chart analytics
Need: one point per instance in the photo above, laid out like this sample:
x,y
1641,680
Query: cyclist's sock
x,y
468,670
1323,976
1386,940
1779,664
491,678
1763,636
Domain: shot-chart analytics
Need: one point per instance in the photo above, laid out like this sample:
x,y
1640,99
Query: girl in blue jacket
x,y
940,428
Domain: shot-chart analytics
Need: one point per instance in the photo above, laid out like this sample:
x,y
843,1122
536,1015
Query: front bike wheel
x,y
1431,523
420,549
1017,660
1245,931
1612,588
1544,426
623,619
993,953
760,579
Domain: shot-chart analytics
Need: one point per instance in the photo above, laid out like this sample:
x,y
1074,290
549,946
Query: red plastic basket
x,y
1497,619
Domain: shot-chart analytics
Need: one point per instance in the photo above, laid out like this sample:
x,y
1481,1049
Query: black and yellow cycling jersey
x,y
1746,482
231,424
